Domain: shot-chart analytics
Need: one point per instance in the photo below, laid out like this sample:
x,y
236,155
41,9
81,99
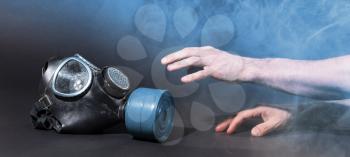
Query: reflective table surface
x,y
18,138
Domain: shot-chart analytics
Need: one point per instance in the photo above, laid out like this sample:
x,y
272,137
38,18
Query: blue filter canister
x,y
149,114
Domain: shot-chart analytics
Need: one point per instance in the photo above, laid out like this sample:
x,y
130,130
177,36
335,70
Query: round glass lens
x,y
72,78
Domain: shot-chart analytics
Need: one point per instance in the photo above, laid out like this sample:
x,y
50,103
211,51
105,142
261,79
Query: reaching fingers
x,y
196,76
191,61
223,125
240,117
179,55
263,128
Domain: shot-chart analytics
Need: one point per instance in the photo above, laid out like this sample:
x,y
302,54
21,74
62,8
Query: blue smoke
x,y
300,29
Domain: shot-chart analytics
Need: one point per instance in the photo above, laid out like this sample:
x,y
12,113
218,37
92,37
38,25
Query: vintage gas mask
x,y
78,97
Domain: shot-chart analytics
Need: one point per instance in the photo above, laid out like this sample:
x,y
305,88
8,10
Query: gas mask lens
x,y
72,78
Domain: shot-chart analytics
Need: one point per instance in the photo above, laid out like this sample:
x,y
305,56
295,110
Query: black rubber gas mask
x,y
78,97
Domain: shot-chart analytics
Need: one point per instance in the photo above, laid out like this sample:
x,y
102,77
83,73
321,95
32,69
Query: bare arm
x,y
325,79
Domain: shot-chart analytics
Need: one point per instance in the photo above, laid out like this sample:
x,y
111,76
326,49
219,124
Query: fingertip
x,y
229,131
233,125
185,79
164,61
223,125
169,68
218,129
255,132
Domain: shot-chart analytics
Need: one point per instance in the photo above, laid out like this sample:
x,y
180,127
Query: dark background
x,y
32,31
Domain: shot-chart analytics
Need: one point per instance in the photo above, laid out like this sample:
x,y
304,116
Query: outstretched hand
x,y
273,118
216,63
228,67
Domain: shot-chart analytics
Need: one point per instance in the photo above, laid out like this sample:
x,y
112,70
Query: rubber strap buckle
x,y
45,102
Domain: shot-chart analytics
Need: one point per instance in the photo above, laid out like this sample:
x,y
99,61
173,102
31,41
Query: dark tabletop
x,y
18,138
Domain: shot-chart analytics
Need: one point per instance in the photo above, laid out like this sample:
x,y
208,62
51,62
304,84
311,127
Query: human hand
x,y
273,118
216,63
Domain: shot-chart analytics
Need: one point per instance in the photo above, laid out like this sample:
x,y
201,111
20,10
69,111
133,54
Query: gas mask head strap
x,y
41,115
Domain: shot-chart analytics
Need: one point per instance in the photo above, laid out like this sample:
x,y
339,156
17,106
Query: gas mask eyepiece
x,y
71,78
79,97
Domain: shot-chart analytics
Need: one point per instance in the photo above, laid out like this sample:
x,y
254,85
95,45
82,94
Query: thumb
x,y
263,128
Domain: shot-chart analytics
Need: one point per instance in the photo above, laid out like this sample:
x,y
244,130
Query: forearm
x,y
325,79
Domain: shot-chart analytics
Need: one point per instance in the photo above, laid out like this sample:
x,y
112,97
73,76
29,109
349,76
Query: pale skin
x,y
321,79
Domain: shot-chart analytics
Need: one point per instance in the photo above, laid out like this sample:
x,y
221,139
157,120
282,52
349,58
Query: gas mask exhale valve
x,y
78,97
